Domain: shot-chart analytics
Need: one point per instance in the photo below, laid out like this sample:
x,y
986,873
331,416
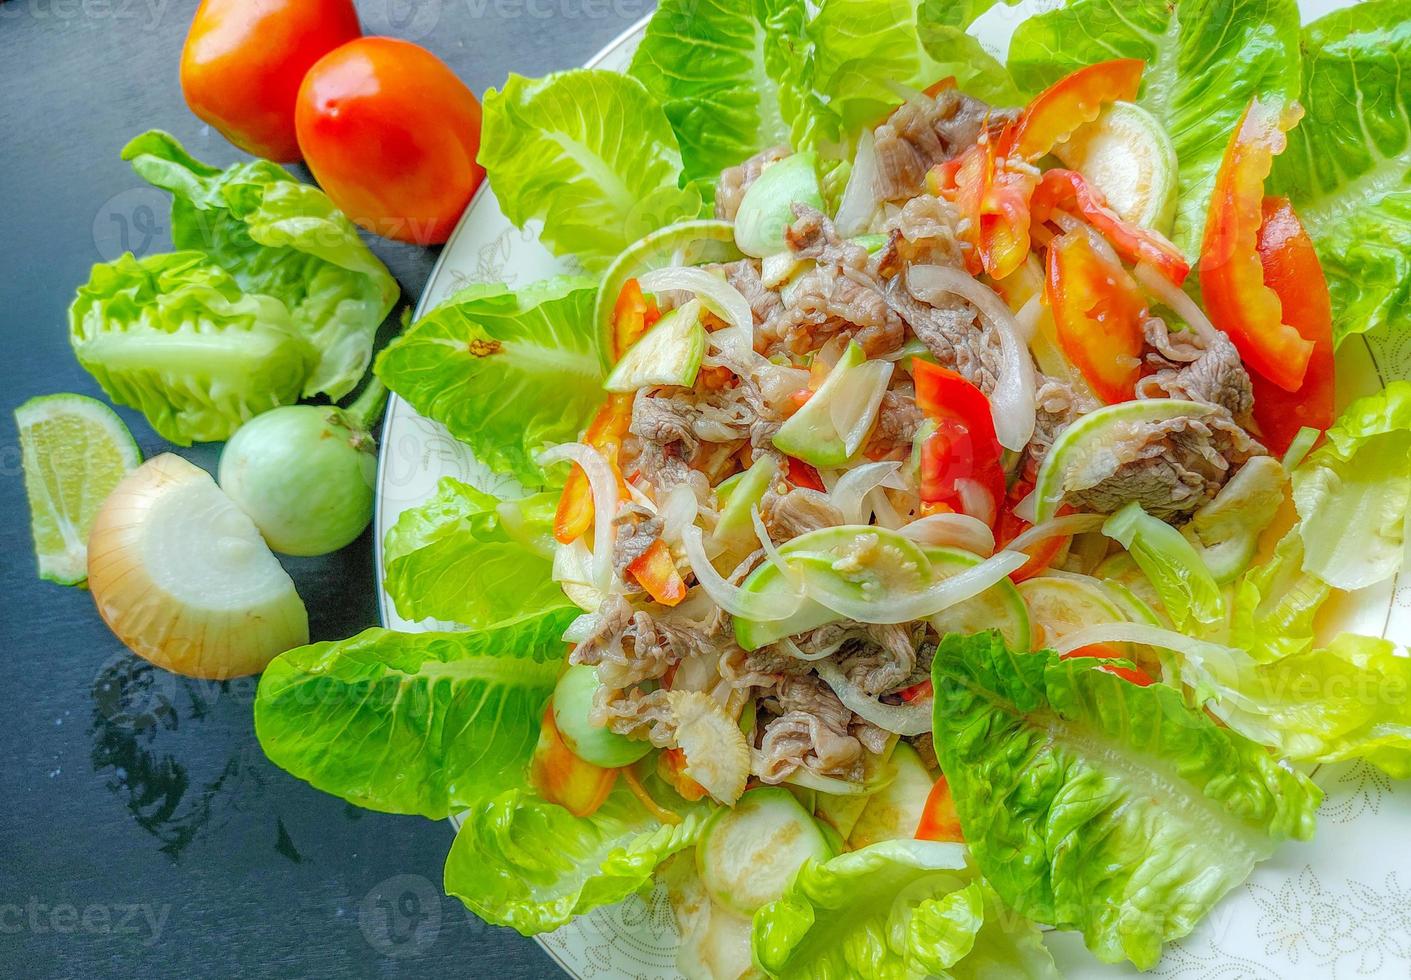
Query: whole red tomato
x,y
244,59
391,134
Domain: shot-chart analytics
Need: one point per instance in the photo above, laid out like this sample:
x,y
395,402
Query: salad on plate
x,y
936,485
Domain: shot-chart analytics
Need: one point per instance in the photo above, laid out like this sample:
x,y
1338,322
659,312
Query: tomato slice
x,y
995,199
964,445
1102,651
632,315
563,778
802,474
1097,312
1010,525
1293,272
939,820
605,433
1067,190
656,572
1074,100
1231,273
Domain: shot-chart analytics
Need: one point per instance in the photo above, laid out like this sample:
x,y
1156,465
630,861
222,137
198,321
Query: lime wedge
x,y
74,450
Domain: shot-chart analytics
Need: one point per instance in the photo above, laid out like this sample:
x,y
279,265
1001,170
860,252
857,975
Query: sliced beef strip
x,y
744,275
1187,367
1169,467
1057,405
796,511
734,181
923,231
924,132
954,334
898,418
634,536
812,731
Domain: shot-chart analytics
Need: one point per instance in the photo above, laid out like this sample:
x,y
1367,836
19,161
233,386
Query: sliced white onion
x,y
573,571
717,295
731,598
1175,298
678,511
1151,636
793,650
861,196
855,401
827,588
582,628
881,506
1029,316
771,551
1012,402
913,718
603,485
952,531
808,779
975,499
1027,508
855,484
182,577
1057,527
777,381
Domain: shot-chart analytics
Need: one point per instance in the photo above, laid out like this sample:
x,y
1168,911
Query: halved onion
x,y
733,599
183,578
602,482
854,485
717,295
825,586
860,197
1012,401
912,718
952,531
1057,527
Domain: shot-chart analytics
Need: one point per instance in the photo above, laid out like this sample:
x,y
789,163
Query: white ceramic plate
x,y
1338,907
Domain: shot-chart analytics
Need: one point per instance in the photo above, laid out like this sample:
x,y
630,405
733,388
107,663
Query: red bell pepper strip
x,y
915,692
964,445
655,570
1293,272
1231,273
563,778
939,819
1073,101
1097,312
1067,190
1102,651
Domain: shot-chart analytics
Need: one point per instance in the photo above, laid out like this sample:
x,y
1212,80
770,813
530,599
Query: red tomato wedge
x,y
1098,312
995,199
656,572
939,820
1066,190
1293,272
1102,651
605,433
563,778
802,474
1010,526
1231,273
963,447
1074,100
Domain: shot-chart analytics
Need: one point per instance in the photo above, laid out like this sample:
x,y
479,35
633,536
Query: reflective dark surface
x,y
142,831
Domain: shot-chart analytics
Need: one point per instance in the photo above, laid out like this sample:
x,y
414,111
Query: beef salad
x,y
935,480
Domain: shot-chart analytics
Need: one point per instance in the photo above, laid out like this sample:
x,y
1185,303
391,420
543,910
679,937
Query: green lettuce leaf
x,y
716,67
588,152
1351,699
283,238
521,862
467,557
903,908
1091,803
174,337
1188,591
1205,60
425,723
1348,164
1273,606
1353,494
956,53
507,373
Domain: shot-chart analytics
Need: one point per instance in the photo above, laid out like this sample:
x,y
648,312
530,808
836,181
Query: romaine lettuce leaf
x,y
1353,494
1205,60
521,862
174,337
507,373
425,723
283,238
1351,699
466,557
903,908
1273,605
1348,164
716,67
591,154
1091,803
1188,591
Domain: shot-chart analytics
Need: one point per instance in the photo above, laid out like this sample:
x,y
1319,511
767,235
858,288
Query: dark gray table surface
x,y
142,831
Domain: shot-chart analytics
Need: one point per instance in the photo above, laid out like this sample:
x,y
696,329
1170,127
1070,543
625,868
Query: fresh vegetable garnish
x,y
655,571
1068,190
243,62
1231,270
561,776
1098,312
605,433
399,98
939,821
182,577
962,452
1127,156
74,451
1104,651
1073,101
